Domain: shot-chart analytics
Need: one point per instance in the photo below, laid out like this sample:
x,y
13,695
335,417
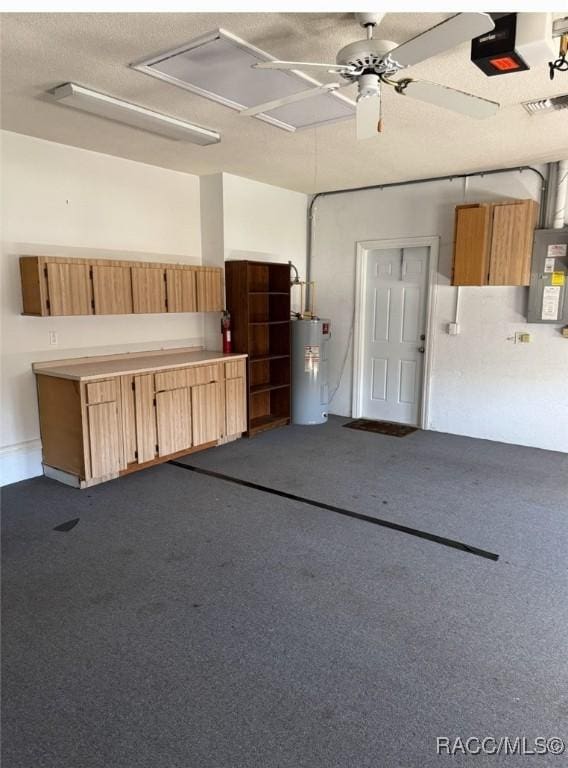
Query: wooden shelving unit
x,y
258,298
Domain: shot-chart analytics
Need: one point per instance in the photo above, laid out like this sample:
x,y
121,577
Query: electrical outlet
x,y
53,341
522,337
453,329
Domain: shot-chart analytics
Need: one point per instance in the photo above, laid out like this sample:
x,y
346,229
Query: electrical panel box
x,y
548,291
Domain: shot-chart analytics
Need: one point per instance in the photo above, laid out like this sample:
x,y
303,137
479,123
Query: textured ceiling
x,y
40,51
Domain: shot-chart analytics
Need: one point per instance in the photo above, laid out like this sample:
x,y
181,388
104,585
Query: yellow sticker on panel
x,y
558,278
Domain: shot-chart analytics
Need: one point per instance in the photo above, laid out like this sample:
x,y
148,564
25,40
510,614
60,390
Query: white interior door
x,y
393,333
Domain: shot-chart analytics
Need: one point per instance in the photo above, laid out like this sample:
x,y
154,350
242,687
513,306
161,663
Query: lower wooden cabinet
x,y
173,415
94,431
104,449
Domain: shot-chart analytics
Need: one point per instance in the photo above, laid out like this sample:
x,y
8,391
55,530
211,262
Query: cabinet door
x,y
69,289
204,413
173,412
145,411
128,414
471,245
209,293
511,243
112,290
104,439
148,290
235,406
181,290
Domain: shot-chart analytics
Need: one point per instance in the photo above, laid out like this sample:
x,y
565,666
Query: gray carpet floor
x,y
189,622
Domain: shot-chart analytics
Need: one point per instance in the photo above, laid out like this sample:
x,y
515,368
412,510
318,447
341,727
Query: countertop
x,y
90,368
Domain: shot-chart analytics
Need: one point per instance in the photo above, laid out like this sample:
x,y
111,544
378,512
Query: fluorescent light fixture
x,y
219,66
100,104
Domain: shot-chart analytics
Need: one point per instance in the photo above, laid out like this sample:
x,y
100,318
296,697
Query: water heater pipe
x,y
561,195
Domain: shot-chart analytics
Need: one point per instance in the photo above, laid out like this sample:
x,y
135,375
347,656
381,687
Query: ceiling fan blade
x,y
304,65
454,31
368,116
449,98
270,105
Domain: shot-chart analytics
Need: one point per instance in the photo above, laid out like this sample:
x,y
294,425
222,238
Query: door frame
x,y
363,248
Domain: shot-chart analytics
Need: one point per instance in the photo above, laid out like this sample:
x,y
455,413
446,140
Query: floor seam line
x,y
381,522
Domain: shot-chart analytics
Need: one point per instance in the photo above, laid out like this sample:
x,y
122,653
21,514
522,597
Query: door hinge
x,y
166,303
91,273
45,271
154,401
157,448
133,386
135,454
93,303
47,304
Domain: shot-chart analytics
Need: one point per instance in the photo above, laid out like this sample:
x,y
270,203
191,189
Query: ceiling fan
x,y
371,63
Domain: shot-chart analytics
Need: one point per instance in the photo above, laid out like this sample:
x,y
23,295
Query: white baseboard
x,y
20,462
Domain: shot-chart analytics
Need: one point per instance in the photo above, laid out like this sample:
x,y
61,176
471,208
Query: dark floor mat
x,y
384,427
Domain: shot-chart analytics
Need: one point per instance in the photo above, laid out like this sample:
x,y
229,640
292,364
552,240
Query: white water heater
x,y
310,389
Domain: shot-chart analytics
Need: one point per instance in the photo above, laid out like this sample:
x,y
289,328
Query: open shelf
x,y
256,389
260,423
260,358
269,322
258,298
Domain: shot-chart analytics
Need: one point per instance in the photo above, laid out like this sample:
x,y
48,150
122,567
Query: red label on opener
x,y
505,63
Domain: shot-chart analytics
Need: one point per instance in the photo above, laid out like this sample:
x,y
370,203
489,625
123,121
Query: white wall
x,y
482,383
246,219
264,222
212,244
65,201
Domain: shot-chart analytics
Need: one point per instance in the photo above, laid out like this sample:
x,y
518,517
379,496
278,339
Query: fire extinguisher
x,y
226,331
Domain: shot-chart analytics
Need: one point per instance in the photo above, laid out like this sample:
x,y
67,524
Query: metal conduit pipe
x,y
450,177
561,195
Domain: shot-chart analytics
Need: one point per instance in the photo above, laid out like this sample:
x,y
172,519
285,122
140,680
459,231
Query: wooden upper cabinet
x,y
69,289
181,290
511,242
471,244
112,290
55,285
34,286
493,243
148,290
209,290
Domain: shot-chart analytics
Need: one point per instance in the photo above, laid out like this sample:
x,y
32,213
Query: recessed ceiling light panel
x,y
218,66
100,104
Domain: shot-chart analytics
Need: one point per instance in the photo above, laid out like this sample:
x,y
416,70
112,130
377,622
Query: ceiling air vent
x,y
542,106
219,66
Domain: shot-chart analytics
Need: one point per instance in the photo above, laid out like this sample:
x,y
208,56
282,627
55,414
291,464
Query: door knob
x,y
421,349
422,336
